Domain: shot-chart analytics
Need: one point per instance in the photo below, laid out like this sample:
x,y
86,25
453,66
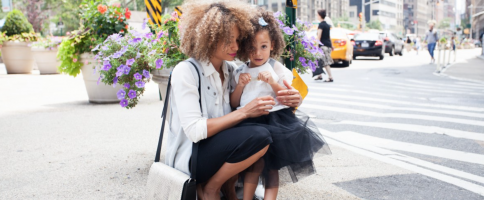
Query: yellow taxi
x,y
342,46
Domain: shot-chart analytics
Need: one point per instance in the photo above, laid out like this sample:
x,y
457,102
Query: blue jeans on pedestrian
x,y
431,48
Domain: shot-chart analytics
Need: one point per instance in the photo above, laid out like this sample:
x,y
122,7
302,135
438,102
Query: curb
x,y
441,73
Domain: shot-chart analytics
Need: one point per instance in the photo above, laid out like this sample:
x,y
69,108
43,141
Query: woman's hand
x,y
289,97
258,107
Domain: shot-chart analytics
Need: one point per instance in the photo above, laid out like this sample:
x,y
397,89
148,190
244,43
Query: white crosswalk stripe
x,y
405,111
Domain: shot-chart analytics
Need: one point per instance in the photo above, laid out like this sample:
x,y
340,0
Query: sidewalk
x,y
470,69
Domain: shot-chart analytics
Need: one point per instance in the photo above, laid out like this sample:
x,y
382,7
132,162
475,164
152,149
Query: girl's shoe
x,y
329,80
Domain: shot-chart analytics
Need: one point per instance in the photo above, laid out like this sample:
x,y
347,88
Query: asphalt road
x,y
396,131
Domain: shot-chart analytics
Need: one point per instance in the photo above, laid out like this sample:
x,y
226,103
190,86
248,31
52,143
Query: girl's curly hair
x,y
277,39
203,25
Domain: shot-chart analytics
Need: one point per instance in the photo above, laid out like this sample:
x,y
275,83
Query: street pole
x,y
470,21
291,6
363,15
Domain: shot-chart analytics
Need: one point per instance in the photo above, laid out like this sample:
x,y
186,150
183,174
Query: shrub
x,y
16,23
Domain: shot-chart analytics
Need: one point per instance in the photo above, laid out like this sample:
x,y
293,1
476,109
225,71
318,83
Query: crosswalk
x,y
394,120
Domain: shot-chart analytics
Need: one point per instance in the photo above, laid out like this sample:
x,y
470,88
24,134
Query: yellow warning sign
x,y
153,11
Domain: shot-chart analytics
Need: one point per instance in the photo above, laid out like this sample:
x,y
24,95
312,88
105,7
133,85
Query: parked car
x,y
342,48
393,45
368,44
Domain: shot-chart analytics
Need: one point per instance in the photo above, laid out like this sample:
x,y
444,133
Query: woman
x,y
210,35
409,44
324,37
431,37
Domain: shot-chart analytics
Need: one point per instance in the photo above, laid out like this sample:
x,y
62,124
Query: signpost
x,y
6,5
291,6
153,11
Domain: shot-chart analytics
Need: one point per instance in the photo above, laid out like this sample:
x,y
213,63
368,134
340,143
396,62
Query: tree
x,y
374,25
343,22
444,24
36,13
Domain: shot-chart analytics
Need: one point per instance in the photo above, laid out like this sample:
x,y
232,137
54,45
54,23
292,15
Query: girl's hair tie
x,y
262,22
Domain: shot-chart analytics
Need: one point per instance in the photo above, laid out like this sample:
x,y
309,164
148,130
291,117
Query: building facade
x,y
307,9
388,12
416,15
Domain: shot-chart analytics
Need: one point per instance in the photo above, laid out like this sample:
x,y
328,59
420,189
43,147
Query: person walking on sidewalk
x,y
431,38
409,44
324,37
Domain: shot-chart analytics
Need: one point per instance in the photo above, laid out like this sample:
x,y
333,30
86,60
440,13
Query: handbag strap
x,y
163,115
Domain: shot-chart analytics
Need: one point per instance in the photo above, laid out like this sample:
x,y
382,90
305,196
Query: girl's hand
x,y
266,76
258,107
244,79
289,97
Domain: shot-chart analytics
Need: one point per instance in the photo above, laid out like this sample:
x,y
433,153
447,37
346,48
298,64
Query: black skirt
x,y
295,141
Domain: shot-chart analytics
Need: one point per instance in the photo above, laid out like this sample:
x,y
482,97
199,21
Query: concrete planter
x,y
161,78
97,93
46,60
17,57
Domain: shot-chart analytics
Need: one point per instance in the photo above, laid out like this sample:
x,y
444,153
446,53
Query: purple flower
x,y
134,41
123,50
115,37
295,28
96,48
146,73
105,48
303,61
132,94
123,103
127,86
140,84
120,71
130,62
305,44
138,55
138,76
117,54
160,34
288,31
159,63
277,14
121,94
126,70
312,65
115,81
281,24
148,35
106,65
143,26
98,80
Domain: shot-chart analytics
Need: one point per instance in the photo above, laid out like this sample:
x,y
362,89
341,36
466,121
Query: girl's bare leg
x,y
228,170
272,185
251,179
228,188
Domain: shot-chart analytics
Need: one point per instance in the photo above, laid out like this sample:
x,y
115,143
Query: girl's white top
x,y
257,88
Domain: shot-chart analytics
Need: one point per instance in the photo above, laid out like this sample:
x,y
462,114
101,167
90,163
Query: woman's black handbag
x,y
165,182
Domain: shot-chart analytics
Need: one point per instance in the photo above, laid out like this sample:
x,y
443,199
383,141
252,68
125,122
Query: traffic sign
x,y
6,5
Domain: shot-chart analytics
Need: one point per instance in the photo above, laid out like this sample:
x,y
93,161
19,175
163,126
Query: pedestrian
x,y
431,37
417,44
324,36
408,44
200,103
294,144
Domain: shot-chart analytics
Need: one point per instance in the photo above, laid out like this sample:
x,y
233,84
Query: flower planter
x,y
98,93
161,78
17,57
46,60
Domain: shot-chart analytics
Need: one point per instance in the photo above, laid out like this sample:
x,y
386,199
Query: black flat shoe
x,y
329,80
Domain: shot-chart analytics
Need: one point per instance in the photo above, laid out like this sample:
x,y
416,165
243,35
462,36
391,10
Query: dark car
x,y
393,44
368,44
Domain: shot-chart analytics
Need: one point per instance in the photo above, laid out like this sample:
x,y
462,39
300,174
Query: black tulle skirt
x,y
295,141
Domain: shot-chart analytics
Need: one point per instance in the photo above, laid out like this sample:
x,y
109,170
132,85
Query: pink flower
x,y
74,60
174,14
86,62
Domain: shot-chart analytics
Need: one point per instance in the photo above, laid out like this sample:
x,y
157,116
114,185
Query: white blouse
x,y
256,88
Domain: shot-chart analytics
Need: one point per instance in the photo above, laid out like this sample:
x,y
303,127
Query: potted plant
x,y
17,34
44,52
99,20
130,59
299,46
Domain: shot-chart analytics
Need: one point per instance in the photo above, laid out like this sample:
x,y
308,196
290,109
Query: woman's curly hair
x,y
204,25
277,39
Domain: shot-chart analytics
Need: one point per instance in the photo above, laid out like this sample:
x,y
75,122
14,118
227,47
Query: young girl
x,y
295,140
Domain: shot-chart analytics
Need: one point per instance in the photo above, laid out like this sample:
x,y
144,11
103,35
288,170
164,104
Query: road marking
x,y
364,92
471,84
389,157
432,88
428,90
380,106
445,85
434,105
394,115
419,129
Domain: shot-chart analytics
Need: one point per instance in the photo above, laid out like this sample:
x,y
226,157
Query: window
x,y
352,14
376,12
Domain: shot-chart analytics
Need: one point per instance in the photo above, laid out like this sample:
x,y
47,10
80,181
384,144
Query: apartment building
x,y
416,15
388,12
